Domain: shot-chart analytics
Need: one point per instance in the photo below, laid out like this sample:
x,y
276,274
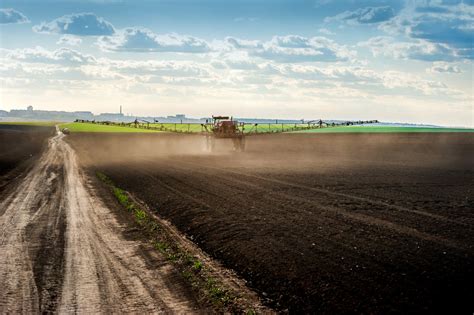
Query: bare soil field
x,y
20,146
334,223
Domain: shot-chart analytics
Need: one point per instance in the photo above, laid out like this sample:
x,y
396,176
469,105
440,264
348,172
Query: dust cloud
x,y
299,152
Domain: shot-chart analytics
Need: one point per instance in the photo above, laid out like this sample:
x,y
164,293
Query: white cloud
x,y
325,31
243,43
65,56
144,40
417,49
69,40
80,24
158,68
218,64
235,60
294,49
339,73
443,67
11,16
442,23
360,79
237,73
242,64
368,15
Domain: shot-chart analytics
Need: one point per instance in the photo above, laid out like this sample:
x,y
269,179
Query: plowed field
x,y
316,223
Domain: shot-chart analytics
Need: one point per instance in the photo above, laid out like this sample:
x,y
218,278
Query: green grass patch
x,y
217,293
197,265
103,178
161,247
90,127
191,268
121,197
140,215
382,129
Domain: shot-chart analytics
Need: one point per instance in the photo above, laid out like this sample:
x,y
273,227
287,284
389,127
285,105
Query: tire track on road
x,y
80,265
19,292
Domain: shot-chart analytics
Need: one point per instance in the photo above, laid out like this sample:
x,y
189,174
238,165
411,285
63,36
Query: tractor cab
x,y
224,127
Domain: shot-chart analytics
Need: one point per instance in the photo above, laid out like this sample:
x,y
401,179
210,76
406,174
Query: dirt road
x,y
63,250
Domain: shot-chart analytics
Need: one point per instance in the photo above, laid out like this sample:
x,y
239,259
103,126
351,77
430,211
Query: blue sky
x,y
407,60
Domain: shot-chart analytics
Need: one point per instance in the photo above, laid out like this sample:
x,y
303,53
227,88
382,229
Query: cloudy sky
x,y
399,61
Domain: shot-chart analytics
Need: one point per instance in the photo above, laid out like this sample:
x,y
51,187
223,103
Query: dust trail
x,y
96,271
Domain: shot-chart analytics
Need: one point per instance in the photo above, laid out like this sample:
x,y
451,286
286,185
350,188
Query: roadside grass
x,y
193,270
121,196
89,127
30,123
382,129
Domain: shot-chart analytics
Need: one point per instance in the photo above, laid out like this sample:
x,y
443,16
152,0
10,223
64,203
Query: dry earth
x,y
359,223
63,250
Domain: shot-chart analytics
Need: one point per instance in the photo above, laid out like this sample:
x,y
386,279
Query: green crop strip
x,y
89,127
383,129
191,268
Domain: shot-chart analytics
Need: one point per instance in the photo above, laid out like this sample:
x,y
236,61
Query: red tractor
x,y
223,127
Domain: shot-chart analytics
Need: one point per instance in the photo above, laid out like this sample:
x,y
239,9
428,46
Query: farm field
x,y
326,223
20,147
250,128
382,129
89,127
173,127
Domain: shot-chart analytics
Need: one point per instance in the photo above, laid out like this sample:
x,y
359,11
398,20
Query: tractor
x,y
224,127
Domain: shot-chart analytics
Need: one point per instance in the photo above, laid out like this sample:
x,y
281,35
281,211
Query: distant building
x,y
84,115
30,114
110,116
18,113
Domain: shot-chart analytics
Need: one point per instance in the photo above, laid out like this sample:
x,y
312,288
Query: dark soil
x,y
346,223
20,147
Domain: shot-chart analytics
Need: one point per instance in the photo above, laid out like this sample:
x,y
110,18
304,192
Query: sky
x,y
397,61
